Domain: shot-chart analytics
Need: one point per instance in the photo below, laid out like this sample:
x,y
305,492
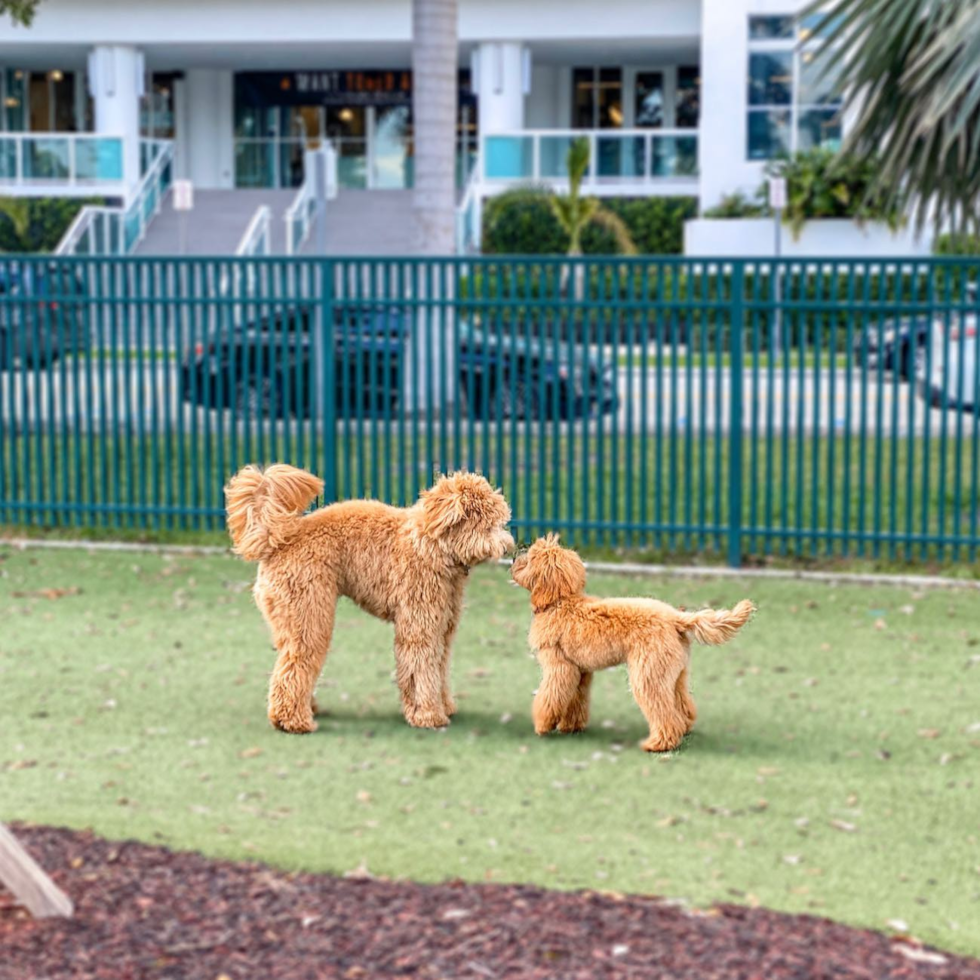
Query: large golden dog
x,y
575,634
404,565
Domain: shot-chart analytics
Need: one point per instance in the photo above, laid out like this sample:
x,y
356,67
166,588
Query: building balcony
x,y
622,161
61,164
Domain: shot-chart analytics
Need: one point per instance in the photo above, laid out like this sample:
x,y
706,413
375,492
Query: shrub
x,y
737,205
956,243
521,222
823,184
36,224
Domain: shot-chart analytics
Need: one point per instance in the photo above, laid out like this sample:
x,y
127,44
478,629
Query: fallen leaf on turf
x,y
250,753
880,624
929,733
47,593
848,828
899,925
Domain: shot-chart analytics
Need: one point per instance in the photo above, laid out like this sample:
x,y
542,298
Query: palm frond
x,y
613,223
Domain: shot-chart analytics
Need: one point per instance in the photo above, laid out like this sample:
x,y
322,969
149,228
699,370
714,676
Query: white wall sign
x,y
777,192
183,195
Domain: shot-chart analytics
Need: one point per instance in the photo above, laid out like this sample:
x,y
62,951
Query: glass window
x,y
819,127
597,98
818,80
793,101
649,99
14,101
773,28
771,78
769,134
610,98
687,110
583,98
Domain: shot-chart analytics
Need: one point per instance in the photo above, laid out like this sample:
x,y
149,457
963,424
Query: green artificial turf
x,y
835,768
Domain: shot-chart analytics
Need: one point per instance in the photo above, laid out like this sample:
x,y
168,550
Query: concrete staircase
x,y
216,223
358,223
367,223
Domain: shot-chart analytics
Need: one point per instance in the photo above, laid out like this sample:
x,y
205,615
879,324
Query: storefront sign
x,y
330,87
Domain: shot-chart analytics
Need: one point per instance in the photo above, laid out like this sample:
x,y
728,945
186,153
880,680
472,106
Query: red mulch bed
x,y
146,912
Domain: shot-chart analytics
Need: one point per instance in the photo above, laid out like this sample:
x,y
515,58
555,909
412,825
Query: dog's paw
x,y
449,705
660,743
570,726
420,718
295,726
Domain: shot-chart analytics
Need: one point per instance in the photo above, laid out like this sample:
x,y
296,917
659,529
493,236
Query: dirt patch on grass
x,y
145,912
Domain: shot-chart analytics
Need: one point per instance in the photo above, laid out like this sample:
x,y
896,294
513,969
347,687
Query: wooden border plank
x,y
25,878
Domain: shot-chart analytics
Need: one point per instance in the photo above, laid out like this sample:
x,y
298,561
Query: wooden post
x,y
30,885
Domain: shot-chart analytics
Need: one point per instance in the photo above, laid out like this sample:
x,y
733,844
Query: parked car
x,y
898,346
264,367
42,313
953,376
524,378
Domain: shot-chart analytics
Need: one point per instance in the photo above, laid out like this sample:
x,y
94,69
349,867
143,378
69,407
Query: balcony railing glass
x,y
615,156
60,158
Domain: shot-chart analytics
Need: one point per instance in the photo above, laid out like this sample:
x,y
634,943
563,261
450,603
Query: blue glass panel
x,y
554,155
8,159
508,157
675,156
46,159
621,156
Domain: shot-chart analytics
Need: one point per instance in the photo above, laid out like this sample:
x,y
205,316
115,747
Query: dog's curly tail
x,y
264,507
714,626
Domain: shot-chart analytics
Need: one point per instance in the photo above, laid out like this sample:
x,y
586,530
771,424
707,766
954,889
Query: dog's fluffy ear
x,y
461,497
556,574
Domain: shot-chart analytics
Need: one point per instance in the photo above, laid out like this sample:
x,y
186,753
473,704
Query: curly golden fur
x,y
575,635
407,566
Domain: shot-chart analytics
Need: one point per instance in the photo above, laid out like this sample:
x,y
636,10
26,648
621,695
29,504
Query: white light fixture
x,y
526,70
475,71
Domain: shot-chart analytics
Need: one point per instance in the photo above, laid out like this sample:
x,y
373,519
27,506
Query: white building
x,y
678,97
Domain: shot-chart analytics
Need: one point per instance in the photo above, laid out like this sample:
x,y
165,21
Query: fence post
x,y
328,381
736,329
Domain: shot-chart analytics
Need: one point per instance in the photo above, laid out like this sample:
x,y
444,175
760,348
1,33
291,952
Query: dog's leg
x,y
419,670
576,715
452,622
559,686
685,703
657,700
302,639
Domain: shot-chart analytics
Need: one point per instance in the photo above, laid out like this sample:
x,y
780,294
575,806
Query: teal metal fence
x,y
668,406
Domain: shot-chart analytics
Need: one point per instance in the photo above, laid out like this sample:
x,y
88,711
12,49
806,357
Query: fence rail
x,y
669,406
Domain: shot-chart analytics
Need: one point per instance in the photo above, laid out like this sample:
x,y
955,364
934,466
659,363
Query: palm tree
x,y
575,213
22,11
434,95
911,73
17,210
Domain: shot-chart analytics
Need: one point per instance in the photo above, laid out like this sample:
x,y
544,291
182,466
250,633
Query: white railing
x,y
468,216
73,164
99,230
616,156
257,239
301,213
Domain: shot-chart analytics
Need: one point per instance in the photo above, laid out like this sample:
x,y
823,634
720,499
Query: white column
x,y
116,75
210,128
499,70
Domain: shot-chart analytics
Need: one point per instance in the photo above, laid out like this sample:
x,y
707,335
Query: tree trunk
x,y
434,96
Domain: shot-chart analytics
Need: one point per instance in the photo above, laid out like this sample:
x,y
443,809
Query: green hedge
x,y
36,224
520,222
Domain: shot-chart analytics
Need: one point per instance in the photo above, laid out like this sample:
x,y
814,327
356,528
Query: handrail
x,y
300,213
468,215
257,239
122,229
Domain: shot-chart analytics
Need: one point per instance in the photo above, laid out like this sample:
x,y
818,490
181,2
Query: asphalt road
x,y
139,393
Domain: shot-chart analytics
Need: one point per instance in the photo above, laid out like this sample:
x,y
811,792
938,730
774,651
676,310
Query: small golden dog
x,y
404,565
575,634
